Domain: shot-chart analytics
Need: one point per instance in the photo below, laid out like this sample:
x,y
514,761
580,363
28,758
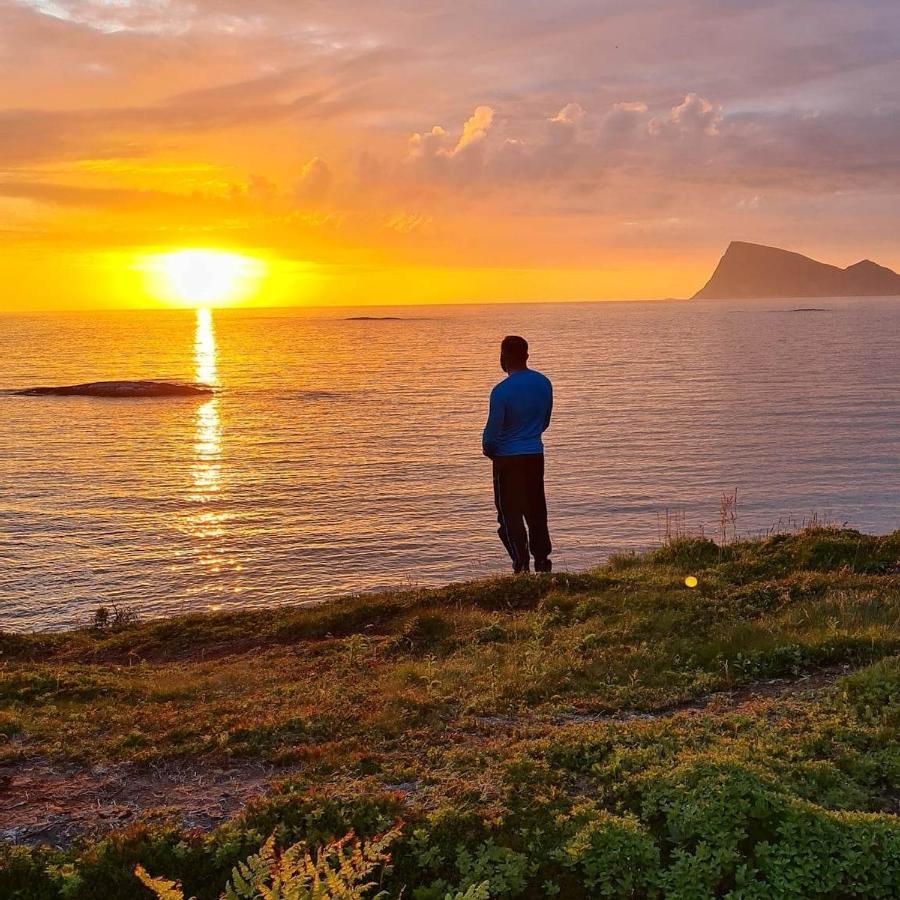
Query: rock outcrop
x,y
749,271
128,389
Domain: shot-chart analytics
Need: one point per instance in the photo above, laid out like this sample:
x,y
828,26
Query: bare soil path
x,y
43,801
46,801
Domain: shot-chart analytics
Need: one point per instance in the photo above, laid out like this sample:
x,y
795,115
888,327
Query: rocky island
x,y
754,271
120,389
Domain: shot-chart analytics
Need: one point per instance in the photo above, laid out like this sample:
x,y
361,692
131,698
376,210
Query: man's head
x,y
513,353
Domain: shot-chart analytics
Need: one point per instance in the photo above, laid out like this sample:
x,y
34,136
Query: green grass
x,y
476,699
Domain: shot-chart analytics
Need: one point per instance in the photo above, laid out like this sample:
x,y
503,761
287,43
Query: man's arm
x,y
492,429
549,410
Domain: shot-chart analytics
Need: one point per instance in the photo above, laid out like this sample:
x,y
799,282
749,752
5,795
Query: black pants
x,y
519,497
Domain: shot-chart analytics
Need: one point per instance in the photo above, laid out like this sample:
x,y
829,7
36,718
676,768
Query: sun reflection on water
x,y
208,441
205,348
208,450
207,524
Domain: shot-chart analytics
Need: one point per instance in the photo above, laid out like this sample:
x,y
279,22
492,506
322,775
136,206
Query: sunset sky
x,y
430,151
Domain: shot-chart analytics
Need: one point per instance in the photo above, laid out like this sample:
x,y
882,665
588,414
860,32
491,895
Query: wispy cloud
x,y
631,123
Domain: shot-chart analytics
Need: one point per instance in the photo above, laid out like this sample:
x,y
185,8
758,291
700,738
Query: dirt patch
x,y
43,801
727,701
720,702
48,802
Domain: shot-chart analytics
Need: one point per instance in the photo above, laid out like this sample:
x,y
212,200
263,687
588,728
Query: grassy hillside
x,y
614,733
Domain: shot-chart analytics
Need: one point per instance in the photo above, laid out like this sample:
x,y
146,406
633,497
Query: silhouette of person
x,y
520,409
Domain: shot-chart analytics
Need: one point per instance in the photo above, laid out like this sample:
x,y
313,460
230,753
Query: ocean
x,y
342,454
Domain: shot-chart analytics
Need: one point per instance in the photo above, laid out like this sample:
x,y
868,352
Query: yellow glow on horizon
x,y
136,278
197,277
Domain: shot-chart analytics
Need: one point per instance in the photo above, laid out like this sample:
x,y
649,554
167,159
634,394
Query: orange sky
x,y
435,152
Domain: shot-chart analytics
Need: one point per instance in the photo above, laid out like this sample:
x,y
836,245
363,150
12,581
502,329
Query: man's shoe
x,y
520,570
543,565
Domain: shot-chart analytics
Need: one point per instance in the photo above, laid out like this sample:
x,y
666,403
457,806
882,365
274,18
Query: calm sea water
x,y
343,456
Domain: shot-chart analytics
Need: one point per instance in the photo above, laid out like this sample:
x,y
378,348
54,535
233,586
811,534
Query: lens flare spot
x,y
691,581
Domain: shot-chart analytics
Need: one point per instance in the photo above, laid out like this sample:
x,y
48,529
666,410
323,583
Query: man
x,y
519,414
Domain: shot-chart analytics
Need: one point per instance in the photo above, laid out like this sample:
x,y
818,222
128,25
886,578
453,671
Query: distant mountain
x,y
749,271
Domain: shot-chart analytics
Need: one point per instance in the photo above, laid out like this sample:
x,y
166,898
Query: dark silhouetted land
x,y
126,389
750,271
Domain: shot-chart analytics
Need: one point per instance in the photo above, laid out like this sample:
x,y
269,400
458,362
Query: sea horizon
x,y
313,474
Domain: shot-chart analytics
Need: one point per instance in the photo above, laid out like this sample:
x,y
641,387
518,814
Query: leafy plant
x,y
341,870
498,869
113,618
163,888
615,857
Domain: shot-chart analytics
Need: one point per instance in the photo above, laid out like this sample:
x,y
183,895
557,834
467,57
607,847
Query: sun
x,y
196,277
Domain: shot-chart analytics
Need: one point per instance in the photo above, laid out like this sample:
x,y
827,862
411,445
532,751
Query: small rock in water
x,y
126,389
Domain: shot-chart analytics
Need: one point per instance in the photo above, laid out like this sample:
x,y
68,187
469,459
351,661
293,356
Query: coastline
x,y
522,730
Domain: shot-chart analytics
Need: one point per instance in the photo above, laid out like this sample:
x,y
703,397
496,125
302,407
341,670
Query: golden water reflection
x,y
205,348
207,470
208,524
207,451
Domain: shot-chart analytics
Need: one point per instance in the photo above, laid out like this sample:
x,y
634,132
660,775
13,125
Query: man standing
x,y
519,414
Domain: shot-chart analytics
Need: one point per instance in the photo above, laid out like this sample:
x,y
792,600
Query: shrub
x,y
596,791
422,633
10,724
687,553
26,873
501,870
622,561
614,857
818,854
490,634
709,815
114,618
874,693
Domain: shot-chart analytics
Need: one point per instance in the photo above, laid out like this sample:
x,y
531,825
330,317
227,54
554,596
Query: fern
x,y
475,892
342,870
162,887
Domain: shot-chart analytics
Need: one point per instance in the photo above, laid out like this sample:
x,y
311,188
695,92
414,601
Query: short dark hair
x,y
515,349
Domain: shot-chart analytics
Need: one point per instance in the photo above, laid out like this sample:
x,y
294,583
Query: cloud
x,y
484,156
111,199
33,135
315,181
438,155
437,150
409,223
596,112
475,129
621,124
695,115
630,106
430,144
569,114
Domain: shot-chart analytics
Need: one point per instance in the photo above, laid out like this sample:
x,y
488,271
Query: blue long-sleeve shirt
x,y
519,414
